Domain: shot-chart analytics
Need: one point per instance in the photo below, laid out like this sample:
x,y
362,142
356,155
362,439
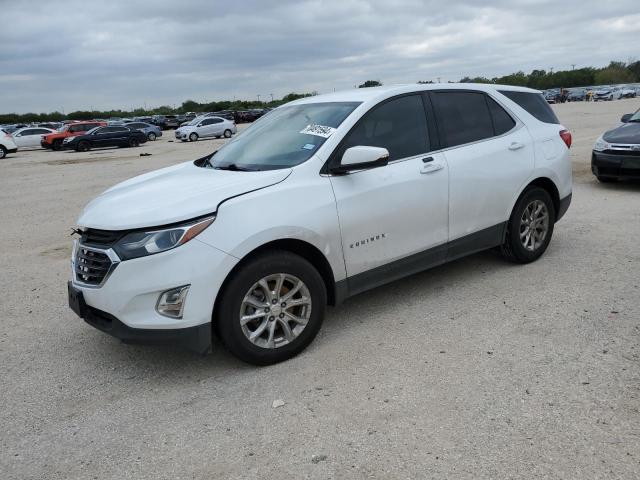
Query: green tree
x,y
370,83
614,73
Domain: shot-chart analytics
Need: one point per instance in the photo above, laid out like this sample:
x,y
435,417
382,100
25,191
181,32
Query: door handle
x,y
516,146
430,166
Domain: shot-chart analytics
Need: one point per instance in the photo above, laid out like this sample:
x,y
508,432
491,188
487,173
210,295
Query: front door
x,y
393,219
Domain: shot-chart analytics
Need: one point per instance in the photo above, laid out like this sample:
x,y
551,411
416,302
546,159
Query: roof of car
x,y
380,93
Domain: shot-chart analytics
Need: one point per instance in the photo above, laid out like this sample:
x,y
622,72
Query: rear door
x,y
393,219
490,156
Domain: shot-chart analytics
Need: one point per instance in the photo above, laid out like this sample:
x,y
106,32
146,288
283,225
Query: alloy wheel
x,y
534,225
275,310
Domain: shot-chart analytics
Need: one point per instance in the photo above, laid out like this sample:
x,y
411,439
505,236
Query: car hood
x,y
603,92
625,133
171,195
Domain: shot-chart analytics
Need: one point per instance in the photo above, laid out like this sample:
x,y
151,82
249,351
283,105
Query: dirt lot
x,y
476,369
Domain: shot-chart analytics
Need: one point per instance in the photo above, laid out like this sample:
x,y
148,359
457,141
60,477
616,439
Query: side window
x,y
75,128
502,121
217,120
533,103
207,122
463,117
399,125
30,131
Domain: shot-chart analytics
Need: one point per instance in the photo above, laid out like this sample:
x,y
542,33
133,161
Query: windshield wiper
x,y
234,168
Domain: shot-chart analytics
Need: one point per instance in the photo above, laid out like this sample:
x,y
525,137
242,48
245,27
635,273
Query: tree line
x,y
614,73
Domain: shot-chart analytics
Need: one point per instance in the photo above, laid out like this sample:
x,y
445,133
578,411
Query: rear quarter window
x,y
533,103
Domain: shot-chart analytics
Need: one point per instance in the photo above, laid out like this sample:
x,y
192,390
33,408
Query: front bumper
x,y
44,144
625,165
196,339
127,300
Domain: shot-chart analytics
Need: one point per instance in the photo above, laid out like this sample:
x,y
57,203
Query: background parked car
x,y
206,127
55,140
30,137
151,131
628,92
7,145
606,94
616,154
577,96
101,137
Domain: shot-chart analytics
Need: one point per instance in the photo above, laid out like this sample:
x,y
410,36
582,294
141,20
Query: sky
x,y
79,55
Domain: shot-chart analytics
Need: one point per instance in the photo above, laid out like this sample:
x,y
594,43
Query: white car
x,y
206,127
30,137
607,94
7,145
323,198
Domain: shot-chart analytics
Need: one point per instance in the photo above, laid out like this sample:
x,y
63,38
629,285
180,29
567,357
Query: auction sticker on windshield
x,y
318,130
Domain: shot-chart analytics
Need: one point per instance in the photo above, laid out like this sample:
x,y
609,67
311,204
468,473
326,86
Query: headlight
x,y
67,140
141,244
601,145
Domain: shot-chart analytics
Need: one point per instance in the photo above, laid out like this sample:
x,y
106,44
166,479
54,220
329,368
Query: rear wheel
x,y
193,137
272,308
151,136
3,152
83,147
227,133
530,226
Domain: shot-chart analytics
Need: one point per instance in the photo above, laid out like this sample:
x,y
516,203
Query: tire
x,y
57,145
607,179
134,142
513,248
152,137
227,133
83,147
3,152
193,137
244,284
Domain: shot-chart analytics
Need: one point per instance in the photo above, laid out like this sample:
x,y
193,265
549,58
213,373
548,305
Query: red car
x,y
54,140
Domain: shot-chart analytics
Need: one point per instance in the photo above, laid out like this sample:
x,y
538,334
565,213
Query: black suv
x,y
616,154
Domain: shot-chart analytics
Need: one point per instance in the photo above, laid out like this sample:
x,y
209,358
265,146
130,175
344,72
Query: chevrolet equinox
x,y
321,199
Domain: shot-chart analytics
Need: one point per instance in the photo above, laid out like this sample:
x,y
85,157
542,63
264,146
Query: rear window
x,y
463,117
534,103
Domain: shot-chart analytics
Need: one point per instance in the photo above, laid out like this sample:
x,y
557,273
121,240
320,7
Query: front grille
x,y
91,266
627,152
101,238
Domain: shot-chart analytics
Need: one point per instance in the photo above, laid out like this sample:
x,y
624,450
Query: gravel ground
x,y
476,369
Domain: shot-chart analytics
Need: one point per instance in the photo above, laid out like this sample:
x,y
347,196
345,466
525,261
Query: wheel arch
x,y
299,247
547,184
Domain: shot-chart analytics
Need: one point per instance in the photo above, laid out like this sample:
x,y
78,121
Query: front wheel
x,y
134,142
530,226
193,137
271,308
227,133
3,152
83,147
57,145
607,179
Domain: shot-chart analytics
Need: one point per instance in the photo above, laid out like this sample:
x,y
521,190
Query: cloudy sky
x,y
122,54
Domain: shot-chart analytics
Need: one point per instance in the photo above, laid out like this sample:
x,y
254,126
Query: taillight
x,y
565,135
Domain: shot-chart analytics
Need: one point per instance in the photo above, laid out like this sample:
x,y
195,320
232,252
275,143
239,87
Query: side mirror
x,y
362,158
625,118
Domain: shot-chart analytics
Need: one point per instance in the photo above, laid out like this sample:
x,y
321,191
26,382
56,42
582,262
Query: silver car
x,y
206,127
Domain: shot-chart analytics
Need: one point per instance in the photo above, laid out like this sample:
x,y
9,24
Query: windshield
x,y
635,117
286,137
91,131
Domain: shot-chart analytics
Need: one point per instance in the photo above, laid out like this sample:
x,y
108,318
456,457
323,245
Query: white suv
x,y
206,127
319,200
7,144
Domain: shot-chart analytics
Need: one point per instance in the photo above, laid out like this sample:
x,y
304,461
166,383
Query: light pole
x,y
271,97
258,98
